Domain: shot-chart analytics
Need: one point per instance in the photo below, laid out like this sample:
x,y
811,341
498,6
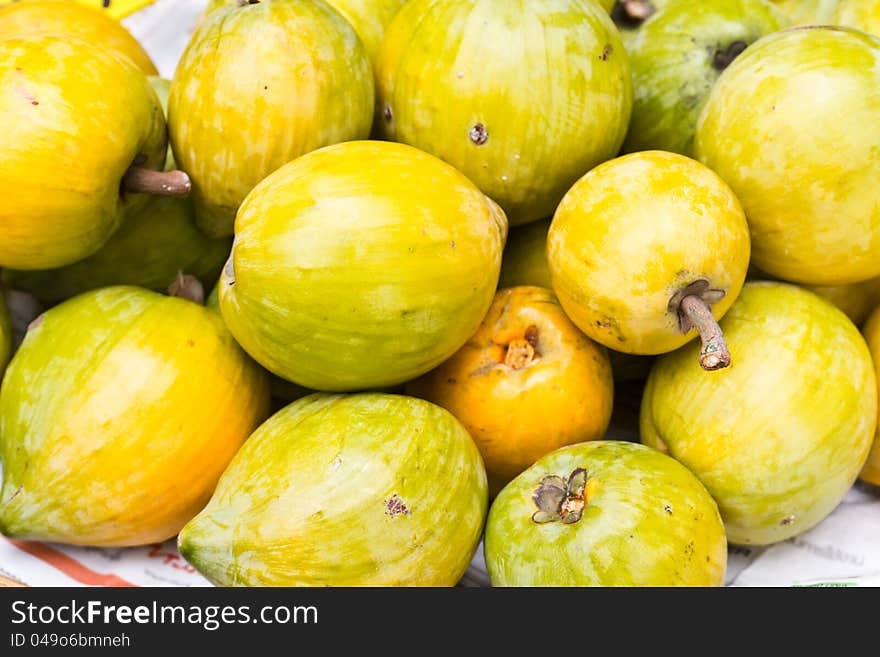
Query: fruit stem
x,y
724,58
633,12
158,183
697,314
187,287
521,352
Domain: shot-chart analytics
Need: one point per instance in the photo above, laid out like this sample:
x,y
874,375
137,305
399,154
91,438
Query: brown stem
x,y
632,13
724,58
187,287
697,314
158,183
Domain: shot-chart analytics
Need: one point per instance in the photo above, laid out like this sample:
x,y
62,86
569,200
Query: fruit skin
x,y
113,433
631,234
871,472
345,490
856,300
779,437
672,60
482,114
5,336
861,14
67,19
369,18
156,239
65,143
525,256
772,129
517,414
647,522
809,12
361,265
288,78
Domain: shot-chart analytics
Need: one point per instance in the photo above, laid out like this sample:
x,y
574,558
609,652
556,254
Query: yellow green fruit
x,y
5,336
63,18
635,235
676,57
361,265
809,12
257,86
333,490
479,84
66,140
780,437
793,126
861,14
871,472
641,519
119,412
857,300
156,240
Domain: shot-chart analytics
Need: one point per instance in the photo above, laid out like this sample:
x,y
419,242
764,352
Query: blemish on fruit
x,y
478,134
606,51
558,499
394,507
787,520
667,508
386,113
36,323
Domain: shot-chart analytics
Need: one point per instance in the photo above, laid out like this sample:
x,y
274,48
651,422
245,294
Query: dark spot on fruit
x,y
35,102
606,51
105,3
387,113
394,507
478,134
265,88
452,381
191,343
787,520
668,509
452,244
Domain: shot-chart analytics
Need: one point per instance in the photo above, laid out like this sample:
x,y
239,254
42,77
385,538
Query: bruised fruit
x,y
526,383
605,513
361,265
525,256
157,239
871,471
74,149
5,336
780,437
63,18
773,130
119,412
644,249
677,56
345,490
861,14
479,84
257,86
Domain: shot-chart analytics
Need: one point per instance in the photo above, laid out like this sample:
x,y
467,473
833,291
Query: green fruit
x,y
513,119
780,437
525,256
676,57
67,140
793,126
157,239
361,490
809,12
605,513
257,86
119,412
361,265
5,336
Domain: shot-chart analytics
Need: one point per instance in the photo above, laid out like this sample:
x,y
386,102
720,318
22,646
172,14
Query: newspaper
x,y
843,550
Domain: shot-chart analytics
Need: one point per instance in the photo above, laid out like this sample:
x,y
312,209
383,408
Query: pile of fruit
x,y
357,288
